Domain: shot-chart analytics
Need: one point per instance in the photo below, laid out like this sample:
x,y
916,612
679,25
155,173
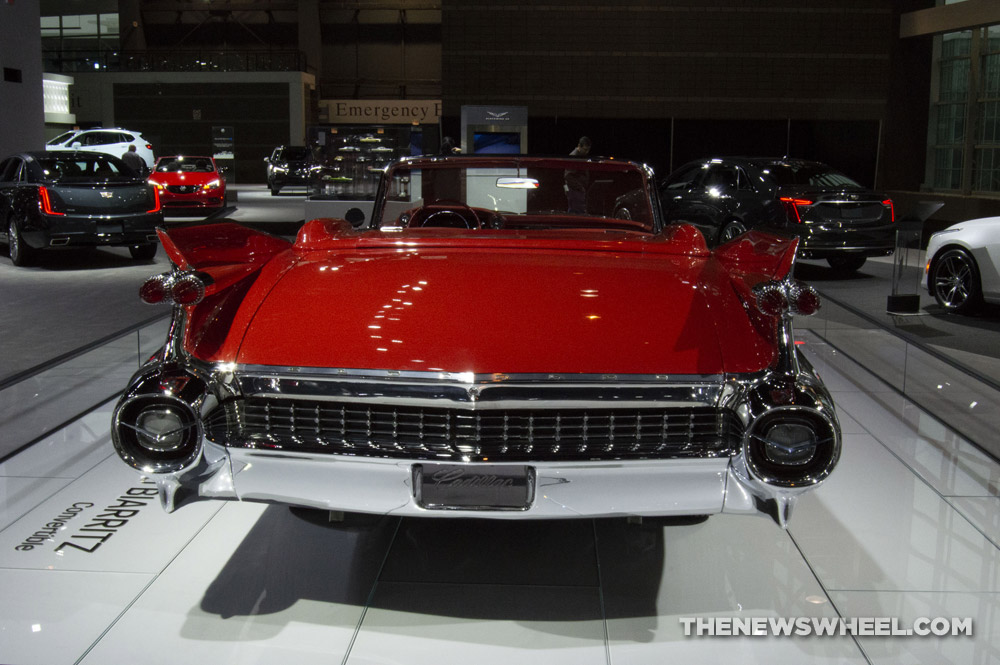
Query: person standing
x,y
577,181
134,161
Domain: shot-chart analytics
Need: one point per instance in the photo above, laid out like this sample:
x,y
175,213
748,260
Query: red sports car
x,y
476,349
189,182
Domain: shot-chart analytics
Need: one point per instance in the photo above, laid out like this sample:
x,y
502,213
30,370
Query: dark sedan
x,y
834,217
60,199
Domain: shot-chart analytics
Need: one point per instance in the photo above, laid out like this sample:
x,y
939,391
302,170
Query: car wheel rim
x,y
14,242
731,232
952,283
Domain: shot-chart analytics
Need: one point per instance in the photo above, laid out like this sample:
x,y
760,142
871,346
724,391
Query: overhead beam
x,y
950,18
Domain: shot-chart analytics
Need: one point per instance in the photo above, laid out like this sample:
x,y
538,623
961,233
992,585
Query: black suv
x,y
835,218
290,165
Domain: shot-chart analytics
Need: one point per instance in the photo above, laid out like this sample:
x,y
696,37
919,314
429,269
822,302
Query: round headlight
x,y
790,444
161,428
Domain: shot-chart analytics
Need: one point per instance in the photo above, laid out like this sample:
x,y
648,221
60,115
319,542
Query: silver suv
x,y
114,142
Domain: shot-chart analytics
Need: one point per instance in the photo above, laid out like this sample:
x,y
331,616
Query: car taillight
x,y
771,298
45,203
178,288
155,290
792,206
892,210
803,299
777,298
149,146
187,290
156,200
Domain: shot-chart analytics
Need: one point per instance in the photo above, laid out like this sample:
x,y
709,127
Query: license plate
x,y
473,487
113,228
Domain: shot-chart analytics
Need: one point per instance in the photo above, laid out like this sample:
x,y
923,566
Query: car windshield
x,y
817,175
184,165
84,168
62,138
295,154
516,194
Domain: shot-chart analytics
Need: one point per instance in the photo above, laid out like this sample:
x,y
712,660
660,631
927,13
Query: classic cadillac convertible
x,y
479,350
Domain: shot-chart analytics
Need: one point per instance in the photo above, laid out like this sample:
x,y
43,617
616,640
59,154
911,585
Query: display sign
x,y
495,129
380,111
222,143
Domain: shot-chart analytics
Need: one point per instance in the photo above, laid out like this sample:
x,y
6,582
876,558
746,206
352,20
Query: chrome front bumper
x,y
385,486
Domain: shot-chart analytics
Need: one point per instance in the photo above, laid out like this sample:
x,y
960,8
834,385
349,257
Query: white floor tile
x,y
259,585
80,533
874,525
726,567
484,624
982,648
51,617
19,495
983,512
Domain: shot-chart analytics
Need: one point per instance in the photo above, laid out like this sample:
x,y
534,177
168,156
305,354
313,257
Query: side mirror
x,y
75,144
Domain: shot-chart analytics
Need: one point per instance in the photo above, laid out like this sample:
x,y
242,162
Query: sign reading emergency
x,y
383,111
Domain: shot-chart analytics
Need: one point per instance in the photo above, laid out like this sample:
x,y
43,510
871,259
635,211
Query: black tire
x,y
143,252
732,229
274,190
955,281
21,254
847,263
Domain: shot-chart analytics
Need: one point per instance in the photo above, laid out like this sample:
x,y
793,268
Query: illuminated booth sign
x,y
495,129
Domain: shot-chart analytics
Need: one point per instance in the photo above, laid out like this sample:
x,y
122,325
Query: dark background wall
x,y
163,112
676,80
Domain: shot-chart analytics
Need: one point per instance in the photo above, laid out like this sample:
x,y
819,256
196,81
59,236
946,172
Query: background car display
x,y
290,165
962,264
114,142
53,199
480,351
184,181
834,217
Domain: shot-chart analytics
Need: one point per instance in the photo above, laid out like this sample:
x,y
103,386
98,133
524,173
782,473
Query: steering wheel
x,y
449,213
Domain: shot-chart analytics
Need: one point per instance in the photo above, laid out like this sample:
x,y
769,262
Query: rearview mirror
x,y
517,183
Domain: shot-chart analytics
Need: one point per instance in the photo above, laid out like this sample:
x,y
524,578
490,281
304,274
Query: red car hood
x,y
498,305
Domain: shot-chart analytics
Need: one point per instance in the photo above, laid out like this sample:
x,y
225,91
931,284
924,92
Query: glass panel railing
x,y
47,399
957,395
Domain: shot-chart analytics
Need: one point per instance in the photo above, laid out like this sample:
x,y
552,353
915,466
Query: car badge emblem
x,y
107,195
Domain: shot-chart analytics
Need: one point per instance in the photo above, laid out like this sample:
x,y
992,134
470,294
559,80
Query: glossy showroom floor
x,y
907,527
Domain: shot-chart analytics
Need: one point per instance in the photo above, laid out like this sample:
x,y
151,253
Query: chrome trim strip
x,y
470,377
475,391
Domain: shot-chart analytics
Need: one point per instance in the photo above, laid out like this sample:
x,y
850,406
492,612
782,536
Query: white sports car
x,y
961,271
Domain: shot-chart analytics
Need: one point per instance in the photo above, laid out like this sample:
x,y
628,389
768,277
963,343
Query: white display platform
x,y
907,526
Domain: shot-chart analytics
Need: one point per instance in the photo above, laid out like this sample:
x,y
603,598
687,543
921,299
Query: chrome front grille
x,y
462,433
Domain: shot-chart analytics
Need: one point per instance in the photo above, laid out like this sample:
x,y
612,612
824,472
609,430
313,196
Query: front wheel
x,y
143,252
955,282
847,263
20,253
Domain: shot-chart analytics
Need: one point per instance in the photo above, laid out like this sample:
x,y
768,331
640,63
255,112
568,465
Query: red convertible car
x,y
477,350
189,182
